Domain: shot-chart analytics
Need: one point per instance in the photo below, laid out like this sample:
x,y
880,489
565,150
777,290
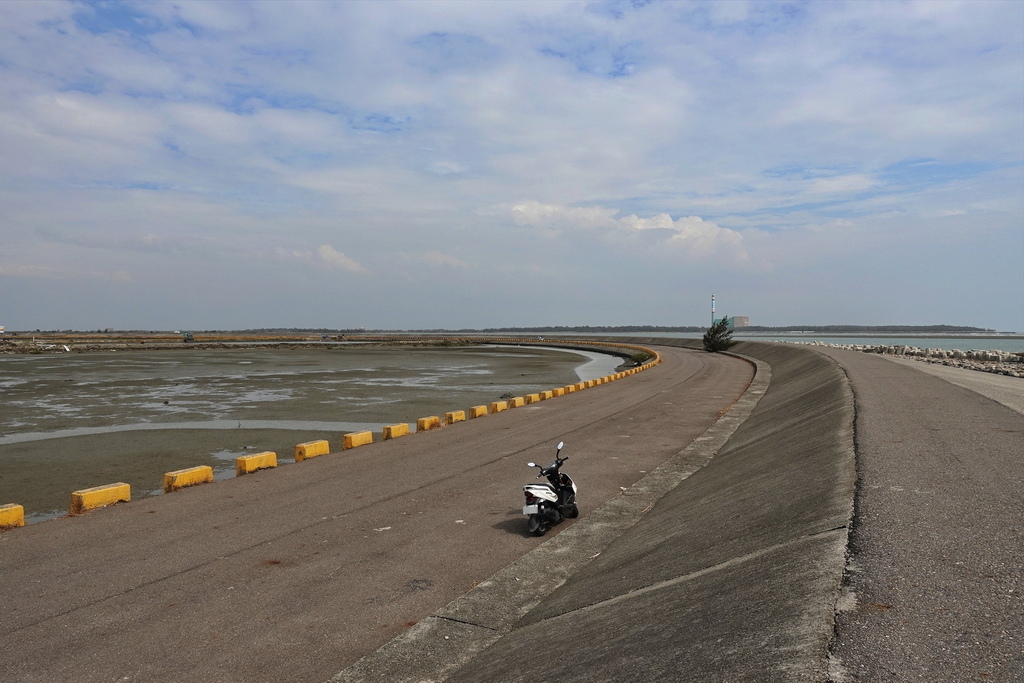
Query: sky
x,y
459,164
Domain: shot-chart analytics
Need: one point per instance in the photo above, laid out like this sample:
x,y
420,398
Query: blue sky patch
x,y
439,52
380,123
932,171
596,57
110,16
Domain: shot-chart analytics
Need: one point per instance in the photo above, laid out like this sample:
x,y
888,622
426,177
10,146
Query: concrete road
x,y
293,574
936,575
729,575
1006,390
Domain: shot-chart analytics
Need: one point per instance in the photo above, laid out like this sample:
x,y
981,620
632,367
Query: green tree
x,y
718,337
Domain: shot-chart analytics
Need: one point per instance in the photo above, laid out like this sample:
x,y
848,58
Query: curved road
x,y
936,575
293,574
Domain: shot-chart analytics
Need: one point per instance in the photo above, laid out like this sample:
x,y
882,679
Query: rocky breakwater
x,y
998,362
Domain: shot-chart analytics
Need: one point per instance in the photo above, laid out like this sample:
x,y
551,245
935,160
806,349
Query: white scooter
x,y
548,504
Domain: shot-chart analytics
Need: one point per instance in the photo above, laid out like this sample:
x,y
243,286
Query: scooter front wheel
x,y
537,526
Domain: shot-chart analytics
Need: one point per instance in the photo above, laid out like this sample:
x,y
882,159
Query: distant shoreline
x,y
297,334
889,335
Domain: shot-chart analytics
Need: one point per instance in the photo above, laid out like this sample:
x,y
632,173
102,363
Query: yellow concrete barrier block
x,y
580,386
11,515
498,406
311,449
179,479
247,464
455,416
99,496
477,411
353,439
568,389
532,398
545,395
396,430
517,402
425,424
555,393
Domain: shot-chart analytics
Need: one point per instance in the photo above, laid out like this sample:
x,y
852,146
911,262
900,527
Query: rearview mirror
x,y
531,464
561,445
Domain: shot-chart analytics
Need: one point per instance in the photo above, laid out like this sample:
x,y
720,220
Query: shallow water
x,y
79,420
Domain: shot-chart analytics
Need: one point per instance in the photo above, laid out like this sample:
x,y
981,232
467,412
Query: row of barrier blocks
x,y
13,515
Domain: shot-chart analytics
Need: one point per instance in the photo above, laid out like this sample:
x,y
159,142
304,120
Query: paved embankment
x,y
732,575
293,574
936,574
725,565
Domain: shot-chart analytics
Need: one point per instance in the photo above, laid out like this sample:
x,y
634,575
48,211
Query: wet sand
x,y
340,388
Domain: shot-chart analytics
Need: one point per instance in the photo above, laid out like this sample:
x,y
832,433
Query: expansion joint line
x,y
466,623
668,583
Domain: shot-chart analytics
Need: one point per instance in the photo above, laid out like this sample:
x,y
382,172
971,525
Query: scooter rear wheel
x,y
537,526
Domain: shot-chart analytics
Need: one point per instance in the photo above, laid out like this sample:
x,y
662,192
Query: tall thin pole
x,y
712,309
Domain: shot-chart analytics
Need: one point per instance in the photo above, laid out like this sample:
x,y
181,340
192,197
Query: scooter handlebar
x,y
546,470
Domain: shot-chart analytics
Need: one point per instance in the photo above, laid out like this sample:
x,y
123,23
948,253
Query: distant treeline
x,y
586,329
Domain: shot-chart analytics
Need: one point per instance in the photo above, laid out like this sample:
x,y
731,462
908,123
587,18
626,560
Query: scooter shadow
x,y
514,524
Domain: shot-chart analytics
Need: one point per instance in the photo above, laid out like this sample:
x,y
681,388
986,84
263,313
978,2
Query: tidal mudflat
x,y
73,421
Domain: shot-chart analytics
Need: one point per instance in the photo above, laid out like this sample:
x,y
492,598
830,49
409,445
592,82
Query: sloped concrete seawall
x,y
732,575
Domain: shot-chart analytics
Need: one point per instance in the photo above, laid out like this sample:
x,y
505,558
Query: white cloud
x,y
325,256
551,215
436,258
22,270
691,236
606,146
842,184
334,259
